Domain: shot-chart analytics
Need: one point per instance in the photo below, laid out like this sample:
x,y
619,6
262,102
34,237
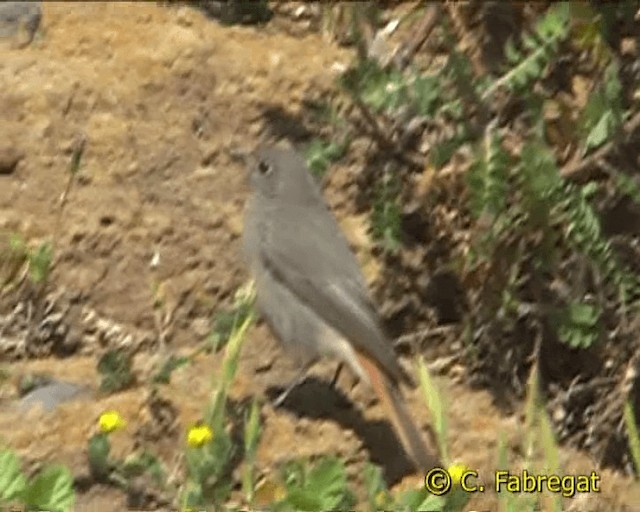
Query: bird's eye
x,y
264,168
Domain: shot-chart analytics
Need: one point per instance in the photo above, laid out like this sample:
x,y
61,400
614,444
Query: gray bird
x,y
310,289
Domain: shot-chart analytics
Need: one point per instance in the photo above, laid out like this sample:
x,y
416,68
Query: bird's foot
x,y
280,399
336,376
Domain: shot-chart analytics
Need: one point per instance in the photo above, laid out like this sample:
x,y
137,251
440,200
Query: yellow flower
x,y
381,499
280,493
111,421
457,471
199,435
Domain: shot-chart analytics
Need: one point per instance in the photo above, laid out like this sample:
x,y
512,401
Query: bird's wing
x,y
308,254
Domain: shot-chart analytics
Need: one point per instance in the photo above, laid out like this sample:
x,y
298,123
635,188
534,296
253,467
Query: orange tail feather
x,y
396,409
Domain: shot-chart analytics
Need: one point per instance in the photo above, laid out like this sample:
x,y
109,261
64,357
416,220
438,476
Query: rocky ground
x,y
162,95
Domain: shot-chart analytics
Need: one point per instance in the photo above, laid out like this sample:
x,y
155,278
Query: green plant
x,y
226,320
50,489
435,404
223,324
378,496
143,462
628,187
38,258
40,263
527,199
538,436
315,488
604,114
382,90
386,218
578,325
107,469
488,180
211,447
207,467
163,375
538,49
632,434
114,367
252,433
525,141
320,154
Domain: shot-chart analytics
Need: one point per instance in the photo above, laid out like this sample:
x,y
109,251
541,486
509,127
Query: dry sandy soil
x,y
162,94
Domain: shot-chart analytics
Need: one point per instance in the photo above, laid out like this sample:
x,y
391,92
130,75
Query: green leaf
x,y
583,314
40,263
323,487
252,429
410,499
321,154
115,368
304,499
374,484
603,113
252,433
488,178
600,132
51,489
427,92
98,454
579,325
328,480
386,216
436,404
17,244
145,462
377,88
632,434
226,320
434,503
163,376
540,49
12,481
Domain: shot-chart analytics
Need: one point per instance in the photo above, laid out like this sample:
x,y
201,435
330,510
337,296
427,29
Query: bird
x,y
310,289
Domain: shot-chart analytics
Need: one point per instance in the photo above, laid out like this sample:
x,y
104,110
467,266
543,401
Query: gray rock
x,y
51,395
20,18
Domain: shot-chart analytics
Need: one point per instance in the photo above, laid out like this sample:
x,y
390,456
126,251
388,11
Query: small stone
x,y
201,327
629,47
51,395
126,342
20,20
89,317
559,414
9,158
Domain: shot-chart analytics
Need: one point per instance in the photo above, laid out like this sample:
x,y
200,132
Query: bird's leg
x,y
336,376
300,378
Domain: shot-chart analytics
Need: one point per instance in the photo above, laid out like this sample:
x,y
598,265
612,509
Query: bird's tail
x,y
389,394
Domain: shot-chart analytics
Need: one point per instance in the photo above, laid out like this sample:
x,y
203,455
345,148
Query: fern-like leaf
x,y
539,49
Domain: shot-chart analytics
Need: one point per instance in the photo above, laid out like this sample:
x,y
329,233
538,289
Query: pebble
x,y
20,19
51,395
9,158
